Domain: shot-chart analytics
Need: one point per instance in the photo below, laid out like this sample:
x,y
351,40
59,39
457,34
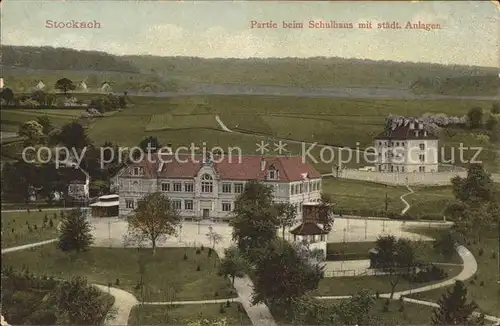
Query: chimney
x,y
262,164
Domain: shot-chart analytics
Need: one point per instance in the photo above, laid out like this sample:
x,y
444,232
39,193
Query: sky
x,y
469,31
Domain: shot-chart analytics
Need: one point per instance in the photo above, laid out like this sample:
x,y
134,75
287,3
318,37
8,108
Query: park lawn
x,y
333,286
17,117
169,121
429,202
487,296
353,197
412,314
423,251
183,314
166,275
17,221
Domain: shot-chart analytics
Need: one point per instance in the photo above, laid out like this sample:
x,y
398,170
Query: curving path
x,y
407,205
221,124
120,311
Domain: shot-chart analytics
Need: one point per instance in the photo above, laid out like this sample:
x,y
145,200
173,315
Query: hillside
x,y
463,85
310,72
62,59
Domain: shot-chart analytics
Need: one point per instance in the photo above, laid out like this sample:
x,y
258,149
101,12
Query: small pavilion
x,y
107,206
311,234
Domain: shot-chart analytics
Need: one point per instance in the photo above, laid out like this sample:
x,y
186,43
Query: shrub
x,y
198,251
51,223
493,255
35,227
198,268
117,282
472,282
377,295
39,209
209,254
185,256
221,309
482,283
202,248
228,303
216,294
481,252
401,309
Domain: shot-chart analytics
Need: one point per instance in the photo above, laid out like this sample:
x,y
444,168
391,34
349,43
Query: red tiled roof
x,y
403,132
228,168
308,228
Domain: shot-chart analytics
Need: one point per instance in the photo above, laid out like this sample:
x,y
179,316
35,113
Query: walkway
x,y
27,246
120,311
407,205
259,314
221,124
168,303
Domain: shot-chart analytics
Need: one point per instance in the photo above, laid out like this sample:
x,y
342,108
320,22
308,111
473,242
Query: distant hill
x,y
304,73
310,72
63,59
483,85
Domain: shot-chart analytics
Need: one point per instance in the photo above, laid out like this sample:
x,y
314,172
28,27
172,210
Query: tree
x,y
7,95
213,237
454,310
73,135
475,189
150,143
76,232
287,214
39,96
495,108
445,244
281,276
65,85
492,122
394,256
154,218
80,303
475,117
356,310
33,132
46,124
233,264
254,222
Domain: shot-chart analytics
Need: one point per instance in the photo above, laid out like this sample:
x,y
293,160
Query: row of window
x,y
178,204
206,187
396,168
300,188
397,144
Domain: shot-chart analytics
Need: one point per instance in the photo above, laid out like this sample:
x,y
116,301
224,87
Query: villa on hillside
x,y
407,146
39,86
82,86
105,88
207,187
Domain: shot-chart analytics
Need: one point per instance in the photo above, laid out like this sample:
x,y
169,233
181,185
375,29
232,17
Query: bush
x,y
117,282
428,274
51,223
472,282
228,303
216,294
401,309
202,248
198,251
493,254
482,283
198,268
185,256
481,252
222,309
377,295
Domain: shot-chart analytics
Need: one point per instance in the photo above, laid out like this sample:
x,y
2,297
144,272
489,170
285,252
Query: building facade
x,y
207,188
407,147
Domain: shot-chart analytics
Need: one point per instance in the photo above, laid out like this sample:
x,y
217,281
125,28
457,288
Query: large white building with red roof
x,y
207,188
407,146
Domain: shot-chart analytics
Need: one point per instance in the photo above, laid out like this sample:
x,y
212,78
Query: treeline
x,y
300,72
62,59
486,85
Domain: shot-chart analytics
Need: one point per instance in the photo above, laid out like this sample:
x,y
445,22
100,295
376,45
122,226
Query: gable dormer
x,y
137,171
272,173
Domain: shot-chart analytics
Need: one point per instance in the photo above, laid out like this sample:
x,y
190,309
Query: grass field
x,y
412,314
17,221
11,118
348,285
166,275
487,296
423,251
183,314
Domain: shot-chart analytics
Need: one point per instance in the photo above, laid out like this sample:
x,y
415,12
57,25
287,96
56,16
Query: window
x,y
272,174
403,143
292,188
421,157
138,171
226,187
238,188
207,183
306,187
301,189
296,189
402,169
188,187
129,203
177,186
380,143
176,204
422,147
135,186
188,204
165,186
421,169
397,143
226,207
